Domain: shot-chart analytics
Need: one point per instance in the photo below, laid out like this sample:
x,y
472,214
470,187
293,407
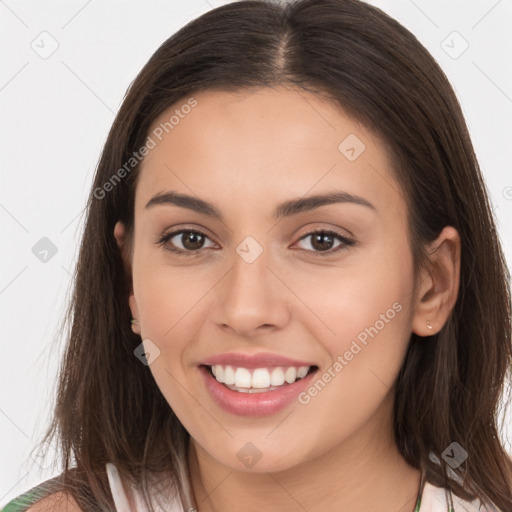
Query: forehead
x,y
264,145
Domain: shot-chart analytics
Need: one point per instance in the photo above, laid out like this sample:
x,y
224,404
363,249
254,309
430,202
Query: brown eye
x,y
191,242
322,242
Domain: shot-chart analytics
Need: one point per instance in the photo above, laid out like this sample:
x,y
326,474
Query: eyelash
x,y
346,242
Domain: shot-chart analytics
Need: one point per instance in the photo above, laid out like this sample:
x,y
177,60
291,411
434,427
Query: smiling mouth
x,y
258,380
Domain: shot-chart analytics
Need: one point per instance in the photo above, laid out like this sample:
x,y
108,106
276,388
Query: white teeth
x,y
277,377
290,374
259,378
242,378
229,375
302,371
219,372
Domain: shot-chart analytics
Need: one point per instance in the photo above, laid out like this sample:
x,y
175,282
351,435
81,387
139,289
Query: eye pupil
x,y
192,237
319,238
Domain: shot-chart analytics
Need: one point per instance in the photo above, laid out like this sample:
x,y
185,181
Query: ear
x,y
120,236
439,285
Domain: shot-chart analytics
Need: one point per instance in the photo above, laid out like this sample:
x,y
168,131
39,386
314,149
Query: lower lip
x,y
253,404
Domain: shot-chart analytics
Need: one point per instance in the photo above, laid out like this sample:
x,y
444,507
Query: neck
x,y
365,472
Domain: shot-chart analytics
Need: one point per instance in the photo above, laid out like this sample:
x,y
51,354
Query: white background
x,y
56,113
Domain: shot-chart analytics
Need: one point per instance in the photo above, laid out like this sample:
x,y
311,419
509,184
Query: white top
x,y
123,503
433,499
436,499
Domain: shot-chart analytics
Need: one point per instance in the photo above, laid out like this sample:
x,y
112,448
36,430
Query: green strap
x,y
23,502
418,505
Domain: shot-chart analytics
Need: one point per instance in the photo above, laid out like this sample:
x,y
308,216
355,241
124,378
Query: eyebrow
x,y
286,209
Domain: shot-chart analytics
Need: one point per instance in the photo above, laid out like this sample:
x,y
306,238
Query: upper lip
x,y
261,360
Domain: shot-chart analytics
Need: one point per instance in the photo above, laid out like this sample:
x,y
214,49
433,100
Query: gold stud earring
x,y
428,325
134,321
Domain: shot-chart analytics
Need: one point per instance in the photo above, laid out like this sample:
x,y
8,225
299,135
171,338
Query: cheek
x,y
168,302
347,303
371,322
166,297
363,321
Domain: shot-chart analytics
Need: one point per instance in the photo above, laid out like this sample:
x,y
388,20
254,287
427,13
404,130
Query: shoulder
x,y
57,502
43,497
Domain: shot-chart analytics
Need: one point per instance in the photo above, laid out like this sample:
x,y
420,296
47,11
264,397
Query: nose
x,y
252,300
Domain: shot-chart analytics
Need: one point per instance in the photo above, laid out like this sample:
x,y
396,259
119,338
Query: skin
x,y
246,153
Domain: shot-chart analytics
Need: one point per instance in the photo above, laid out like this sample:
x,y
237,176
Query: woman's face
x,y
253,283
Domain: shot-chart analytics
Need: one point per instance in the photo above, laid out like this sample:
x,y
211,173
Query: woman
x,y
290,293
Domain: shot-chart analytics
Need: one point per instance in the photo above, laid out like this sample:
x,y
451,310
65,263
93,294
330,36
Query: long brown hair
x,y
108,406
